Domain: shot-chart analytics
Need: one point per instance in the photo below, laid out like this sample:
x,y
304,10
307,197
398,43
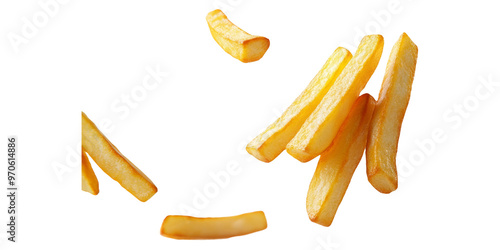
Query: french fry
x,y
388,116
89,180
322,125
270,143
338,163
236,42
113,163
193,228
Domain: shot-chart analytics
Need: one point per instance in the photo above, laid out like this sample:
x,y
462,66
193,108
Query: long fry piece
x,y
235,41
320,128
338,163
388,116
270,143
193,228
89,180
113,163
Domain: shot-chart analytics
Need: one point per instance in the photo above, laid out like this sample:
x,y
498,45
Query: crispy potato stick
x,y
193,228
113,163
89,180
388,116
235,41
268,145
337,164
322,125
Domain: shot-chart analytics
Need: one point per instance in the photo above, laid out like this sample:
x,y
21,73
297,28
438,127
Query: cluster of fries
x,y
112,162
330,119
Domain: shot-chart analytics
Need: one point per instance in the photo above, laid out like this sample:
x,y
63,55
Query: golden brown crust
x,y
388,116
188,227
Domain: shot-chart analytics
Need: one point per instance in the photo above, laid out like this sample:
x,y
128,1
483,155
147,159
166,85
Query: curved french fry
x,y
338,163
193,228
270,143
322,125
388,116
89,180
235,41
113,163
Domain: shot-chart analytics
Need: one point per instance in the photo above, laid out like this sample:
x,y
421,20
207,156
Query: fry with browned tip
x,y
235,41
194,228
388,116
113,163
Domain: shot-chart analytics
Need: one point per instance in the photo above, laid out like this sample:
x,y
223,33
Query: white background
x,y
197,120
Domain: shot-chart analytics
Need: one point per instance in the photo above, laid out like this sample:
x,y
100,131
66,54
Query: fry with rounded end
x,y
338,163
113,163
235,41
193,228
322,125
270,143
388,116
89,180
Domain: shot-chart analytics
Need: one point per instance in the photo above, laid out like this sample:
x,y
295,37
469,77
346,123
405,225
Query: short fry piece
x,y
270,143
113,163
235,41
193,228
388,116
89,180
337,164
320,128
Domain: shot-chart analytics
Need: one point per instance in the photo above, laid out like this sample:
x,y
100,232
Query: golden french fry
x,y
388,116
270,143
338,163
322,125
89,180
193,228
113,163
235,41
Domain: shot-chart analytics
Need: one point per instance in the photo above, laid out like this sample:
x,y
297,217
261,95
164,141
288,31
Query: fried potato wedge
x,y
338,163
270,143
89,180
194,228
388,116
322,125
236,42
113,163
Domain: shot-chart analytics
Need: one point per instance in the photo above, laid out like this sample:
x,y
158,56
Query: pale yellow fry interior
x,y
113,163
187,227
338,163
235,41
322,125
270,143
388,115
89,179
